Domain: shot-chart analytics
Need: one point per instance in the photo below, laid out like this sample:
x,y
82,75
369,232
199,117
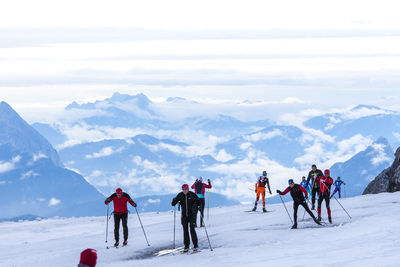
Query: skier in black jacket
x,y
296,191
190,204
312,175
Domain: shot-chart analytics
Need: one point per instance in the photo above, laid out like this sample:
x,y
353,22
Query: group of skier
x,y
317,183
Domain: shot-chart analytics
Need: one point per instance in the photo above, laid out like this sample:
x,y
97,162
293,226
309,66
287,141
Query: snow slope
x,y
239,238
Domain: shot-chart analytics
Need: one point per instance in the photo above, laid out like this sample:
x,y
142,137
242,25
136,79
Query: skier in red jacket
x,y
324,183
120,200
297,191
200,190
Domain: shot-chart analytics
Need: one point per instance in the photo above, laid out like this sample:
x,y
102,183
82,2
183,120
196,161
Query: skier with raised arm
x,y
200,190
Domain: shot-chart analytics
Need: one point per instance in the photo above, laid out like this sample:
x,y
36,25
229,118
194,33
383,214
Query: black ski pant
x,y
296,205
202,205
117,218
189,222
314,192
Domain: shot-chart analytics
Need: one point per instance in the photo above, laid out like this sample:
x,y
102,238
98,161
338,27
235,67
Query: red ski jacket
x,y
324,184
200,188
120,204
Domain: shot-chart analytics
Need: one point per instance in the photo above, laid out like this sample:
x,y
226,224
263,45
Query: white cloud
x,y
153,201
264,136
245,146
396,135
28,174
39,156
292,100
6,166
223,156
54,202
3,182
104,152
380,157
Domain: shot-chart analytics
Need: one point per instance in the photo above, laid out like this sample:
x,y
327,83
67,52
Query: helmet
x,y
185,187
290,181
338,178
119,191
264,173
327,172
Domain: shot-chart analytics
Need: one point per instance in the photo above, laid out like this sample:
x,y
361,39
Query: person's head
x,y
200,179
291,182
265,173
338,178
88,257
314,167
185,188
327,173
119,192
303,178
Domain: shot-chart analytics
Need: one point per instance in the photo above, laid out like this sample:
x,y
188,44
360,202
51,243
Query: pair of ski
x,y
179,250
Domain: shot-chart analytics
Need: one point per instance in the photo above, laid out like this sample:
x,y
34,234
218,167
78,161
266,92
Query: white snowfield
x,y
239,238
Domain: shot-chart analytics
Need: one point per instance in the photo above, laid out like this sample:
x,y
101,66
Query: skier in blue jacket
x,y
338,184
303,183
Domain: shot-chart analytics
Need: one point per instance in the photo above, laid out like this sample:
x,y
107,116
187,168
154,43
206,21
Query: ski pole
x,y
208,204
107,228
205,228
343,208
142,227
286,209
174,224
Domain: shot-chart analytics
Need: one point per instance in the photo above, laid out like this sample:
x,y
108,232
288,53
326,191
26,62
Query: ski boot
x,y
255,208
294,226
319,218
125,243
116,244
185,250
316,221
330,219
264,210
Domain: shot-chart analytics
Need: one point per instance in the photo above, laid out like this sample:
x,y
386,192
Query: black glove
x,y
278,191
134,204
173,203
209,181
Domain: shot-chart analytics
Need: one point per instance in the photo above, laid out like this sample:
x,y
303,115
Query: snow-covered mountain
x,y
363,119
32,178
21,137
363,167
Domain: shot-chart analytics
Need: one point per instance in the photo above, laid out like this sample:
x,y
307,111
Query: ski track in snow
x,y
371,238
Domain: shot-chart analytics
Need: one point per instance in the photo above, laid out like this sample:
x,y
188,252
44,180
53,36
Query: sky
x,y
316,53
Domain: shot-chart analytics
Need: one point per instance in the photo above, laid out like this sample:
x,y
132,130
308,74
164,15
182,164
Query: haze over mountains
x,y
150,148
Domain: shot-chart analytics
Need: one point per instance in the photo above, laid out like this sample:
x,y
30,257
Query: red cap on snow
x,y
185,187
89,257
327,172
119,191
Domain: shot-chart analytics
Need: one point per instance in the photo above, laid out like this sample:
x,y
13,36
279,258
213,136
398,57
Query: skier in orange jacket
x,y
260,190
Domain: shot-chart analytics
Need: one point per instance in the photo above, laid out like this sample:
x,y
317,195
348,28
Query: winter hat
x,y
185,187
314,166
88,257
200,179
291,181
327,172
119,191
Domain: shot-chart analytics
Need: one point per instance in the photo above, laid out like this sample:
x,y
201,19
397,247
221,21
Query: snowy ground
x,y
239,238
